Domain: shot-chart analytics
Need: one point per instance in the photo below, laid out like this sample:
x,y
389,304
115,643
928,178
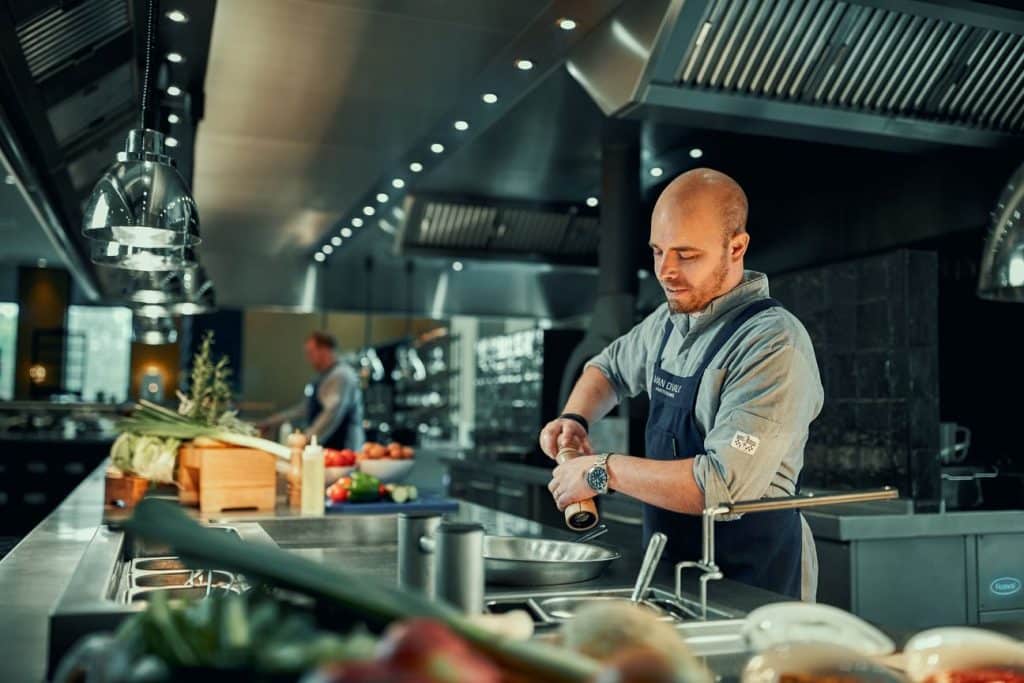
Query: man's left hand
x,y
568,481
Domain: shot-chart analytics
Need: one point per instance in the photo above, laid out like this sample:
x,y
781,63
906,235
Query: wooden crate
x,y
221,477
124,491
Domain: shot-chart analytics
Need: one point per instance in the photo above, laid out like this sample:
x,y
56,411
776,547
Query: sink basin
x,y
565,608
722,634
185,578
158,564
190,593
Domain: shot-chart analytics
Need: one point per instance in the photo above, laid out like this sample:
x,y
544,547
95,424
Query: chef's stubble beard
x,y
704,294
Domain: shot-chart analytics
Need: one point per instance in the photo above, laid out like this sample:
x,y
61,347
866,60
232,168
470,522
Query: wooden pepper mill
x,y
296,442
582,515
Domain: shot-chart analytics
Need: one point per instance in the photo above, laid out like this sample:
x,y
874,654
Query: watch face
x,y
598,479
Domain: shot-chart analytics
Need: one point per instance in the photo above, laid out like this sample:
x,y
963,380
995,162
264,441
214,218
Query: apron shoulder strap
x,y
730,329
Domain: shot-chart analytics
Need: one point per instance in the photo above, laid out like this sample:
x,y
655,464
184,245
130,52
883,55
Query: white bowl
x,y
815,659
333,474
958,648
386,469
785,623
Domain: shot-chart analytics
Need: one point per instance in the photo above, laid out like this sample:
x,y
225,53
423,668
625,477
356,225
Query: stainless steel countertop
x,y
34,575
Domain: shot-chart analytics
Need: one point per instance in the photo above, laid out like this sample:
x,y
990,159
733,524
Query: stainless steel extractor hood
x,y
1002,261
456,227
891,74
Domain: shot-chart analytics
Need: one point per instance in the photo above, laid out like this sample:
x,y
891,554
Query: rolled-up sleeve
x,y
624,361
765,408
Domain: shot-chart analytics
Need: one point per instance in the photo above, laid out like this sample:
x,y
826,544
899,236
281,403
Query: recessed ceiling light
x,y
175,57
489,98
415,167
591,202
173,118
382,198
656,171
437,148
173,90
398,183
336,241
177,16
457,266
347,232
41,262
358,222
319,256
369,210
171,142
461,125
9,179
566,24
696,153
524,64
327,249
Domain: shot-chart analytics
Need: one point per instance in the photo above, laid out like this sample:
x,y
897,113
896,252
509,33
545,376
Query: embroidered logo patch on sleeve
x,y
746,443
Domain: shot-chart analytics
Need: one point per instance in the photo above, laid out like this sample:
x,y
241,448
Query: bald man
x,y
733,386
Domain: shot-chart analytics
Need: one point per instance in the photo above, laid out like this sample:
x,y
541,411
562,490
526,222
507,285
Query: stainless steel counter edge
x,y
839,526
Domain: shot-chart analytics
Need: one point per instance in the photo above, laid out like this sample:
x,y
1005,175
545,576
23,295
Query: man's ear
x,y
738,245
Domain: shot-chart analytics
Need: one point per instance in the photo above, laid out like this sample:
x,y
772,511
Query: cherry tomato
x,y
340,495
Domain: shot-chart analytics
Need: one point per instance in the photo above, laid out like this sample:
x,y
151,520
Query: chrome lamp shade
x,y
117,255
1002,261
146,330
141,208
187,292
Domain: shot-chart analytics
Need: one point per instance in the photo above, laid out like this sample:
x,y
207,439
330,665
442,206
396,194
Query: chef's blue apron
x,y
762,548
314,407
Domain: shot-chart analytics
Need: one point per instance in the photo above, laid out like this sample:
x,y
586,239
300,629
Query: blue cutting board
x,y
427,503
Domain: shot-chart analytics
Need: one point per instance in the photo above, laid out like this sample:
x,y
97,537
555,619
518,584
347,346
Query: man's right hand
x,y
562,432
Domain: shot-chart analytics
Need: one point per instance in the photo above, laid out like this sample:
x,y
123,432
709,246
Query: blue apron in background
x,y
314,407
761,549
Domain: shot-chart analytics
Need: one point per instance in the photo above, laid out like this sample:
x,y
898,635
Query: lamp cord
x,y
145,75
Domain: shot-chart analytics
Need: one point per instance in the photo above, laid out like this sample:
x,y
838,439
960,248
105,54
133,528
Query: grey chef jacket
x,y
763,383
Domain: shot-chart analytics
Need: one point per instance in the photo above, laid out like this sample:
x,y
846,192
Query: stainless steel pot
x,y
519,561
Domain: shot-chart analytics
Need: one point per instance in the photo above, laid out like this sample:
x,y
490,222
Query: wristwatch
x,y
597,476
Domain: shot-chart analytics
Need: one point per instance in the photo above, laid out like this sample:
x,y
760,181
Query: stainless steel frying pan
x,y
519,561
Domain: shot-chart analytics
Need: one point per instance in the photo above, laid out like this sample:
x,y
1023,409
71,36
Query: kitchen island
x,y
34,576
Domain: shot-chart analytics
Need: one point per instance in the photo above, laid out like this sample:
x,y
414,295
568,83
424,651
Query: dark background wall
x,y
873,322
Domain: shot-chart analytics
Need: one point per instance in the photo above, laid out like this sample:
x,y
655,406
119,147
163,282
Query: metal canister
x,y
459,569
416,562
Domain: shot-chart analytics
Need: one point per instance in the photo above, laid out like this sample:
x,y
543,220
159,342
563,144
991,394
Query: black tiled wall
x,y
874,325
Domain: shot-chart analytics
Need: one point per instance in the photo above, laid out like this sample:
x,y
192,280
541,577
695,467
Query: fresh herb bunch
x,y
209,393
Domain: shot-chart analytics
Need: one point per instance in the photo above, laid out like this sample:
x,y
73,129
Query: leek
x,y
154,420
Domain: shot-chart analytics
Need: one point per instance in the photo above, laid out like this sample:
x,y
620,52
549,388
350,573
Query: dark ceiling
x,y
296,113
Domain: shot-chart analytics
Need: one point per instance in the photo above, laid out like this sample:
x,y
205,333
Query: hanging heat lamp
x,y
1002,260
189,292
153,330
141,215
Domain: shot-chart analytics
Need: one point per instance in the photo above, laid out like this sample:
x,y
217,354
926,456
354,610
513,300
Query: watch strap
x,y
579,419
